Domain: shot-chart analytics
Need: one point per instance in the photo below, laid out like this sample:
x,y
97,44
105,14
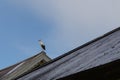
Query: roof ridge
x,y
75,49
89,42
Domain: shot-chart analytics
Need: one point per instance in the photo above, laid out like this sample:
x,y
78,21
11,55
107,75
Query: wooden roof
x,y
97,52
6,70
40,56
109,71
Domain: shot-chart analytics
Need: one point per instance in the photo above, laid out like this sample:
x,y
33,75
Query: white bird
x,y
42,44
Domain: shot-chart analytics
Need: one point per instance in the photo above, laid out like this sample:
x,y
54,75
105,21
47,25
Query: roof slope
x,y
24,66
6,70
100,51
109,71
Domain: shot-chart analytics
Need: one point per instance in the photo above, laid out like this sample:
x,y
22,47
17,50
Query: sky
x,y
61,24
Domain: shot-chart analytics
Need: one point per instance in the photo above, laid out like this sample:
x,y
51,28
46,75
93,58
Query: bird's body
x,y
42,45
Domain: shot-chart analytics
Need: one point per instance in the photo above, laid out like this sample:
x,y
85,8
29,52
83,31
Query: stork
x,y
42,44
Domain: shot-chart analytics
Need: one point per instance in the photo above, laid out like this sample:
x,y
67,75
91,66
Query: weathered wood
x,y
26,66
109,71
100,51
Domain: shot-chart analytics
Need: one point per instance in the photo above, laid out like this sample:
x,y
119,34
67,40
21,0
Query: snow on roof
x,y
100,51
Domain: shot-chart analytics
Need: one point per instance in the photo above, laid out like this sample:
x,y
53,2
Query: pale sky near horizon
x,y
62,25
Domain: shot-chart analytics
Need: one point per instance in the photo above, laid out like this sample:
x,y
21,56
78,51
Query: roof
x,y
6,70
23,66
97,52
109,71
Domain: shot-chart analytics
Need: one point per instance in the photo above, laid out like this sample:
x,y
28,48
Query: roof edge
x,y
82,46
89,42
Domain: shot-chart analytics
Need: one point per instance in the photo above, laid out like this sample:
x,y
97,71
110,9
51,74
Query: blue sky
x,y
62,24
